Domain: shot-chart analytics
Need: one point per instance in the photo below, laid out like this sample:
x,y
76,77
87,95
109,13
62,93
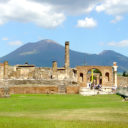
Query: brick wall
x,y
34,90
72,89
42,90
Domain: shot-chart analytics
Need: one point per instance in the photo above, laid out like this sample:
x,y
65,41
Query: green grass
x,y
63,111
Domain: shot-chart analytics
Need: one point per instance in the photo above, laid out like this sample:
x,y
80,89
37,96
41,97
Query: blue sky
x,y
91,26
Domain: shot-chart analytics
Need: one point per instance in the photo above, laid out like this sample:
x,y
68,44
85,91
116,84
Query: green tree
x,y
125,74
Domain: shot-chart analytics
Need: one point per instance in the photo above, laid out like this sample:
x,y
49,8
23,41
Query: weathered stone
x,y
67,63
30,79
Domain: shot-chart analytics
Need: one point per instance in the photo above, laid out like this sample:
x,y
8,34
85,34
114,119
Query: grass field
x,y
63,111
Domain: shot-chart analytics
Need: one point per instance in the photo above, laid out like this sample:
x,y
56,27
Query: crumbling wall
x,y
42,90
63,74
35,82
40,73
1,72
72,89
82,71
29,73
42,87
34,90
122,81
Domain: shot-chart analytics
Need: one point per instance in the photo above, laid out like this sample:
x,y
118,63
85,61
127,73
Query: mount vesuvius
x,y
43,52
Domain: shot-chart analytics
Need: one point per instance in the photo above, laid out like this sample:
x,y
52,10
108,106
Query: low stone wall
x,y
40,86
42,90
72,89
34,90
35,82
122,81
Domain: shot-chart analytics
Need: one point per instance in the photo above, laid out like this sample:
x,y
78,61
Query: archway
x,y
94,76
102,75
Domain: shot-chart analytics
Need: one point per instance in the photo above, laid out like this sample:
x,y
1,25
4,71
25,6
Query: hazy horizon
x,y
64,46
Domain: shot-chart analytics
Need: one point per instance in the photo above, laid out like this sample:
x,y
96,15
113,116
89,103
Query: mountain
x,y
43,52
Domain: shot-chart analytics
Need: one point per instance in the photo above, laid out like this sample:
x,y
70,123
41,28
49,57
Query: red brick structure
x,y
106,72
34,90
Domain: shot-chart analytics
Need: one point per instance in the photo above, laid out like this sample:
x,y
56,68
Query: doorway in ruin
x,y
94,76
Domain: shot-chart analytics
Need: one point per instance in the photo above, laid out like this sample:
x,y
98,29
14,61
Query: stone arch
x,y
97,75
94,68
102,69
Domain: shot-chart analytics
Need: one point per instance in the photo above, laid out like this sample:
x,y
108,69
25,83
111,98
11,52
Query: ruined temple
x,y
28,78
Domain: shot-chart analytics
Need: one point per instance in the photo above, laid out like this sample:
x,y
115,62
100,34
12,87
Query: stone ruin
x,y
123,92
28,78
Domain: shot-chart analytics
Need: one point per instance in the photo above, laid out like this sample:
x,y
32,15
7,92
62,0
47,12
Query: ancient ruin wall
x,y
103,69
34,90
122,81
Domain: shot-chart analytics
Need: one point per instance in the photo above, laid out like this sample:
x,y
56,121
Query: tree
x,y
125,74
97,71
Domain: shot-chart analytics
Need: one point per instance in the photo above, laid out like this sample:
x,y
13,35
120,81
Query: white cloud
x,y
29,11
113,7
52,13
87,23
123,43
71,6
100,8
45,13
15,43
4,38
117,18
116,8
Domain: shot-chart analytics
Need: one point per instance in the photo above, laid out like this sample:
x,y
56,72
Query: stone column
x,y
85,79
67,62
54,69
115,74
54,66
5,69
6,88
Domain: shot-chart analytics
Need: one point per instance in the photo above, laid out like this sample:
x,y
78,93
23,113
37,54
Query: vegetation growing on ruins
x,y
63,111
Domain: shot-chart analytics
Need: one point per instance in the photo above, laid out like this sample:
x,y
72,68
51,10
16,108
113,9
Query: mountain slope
x,y
43,52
